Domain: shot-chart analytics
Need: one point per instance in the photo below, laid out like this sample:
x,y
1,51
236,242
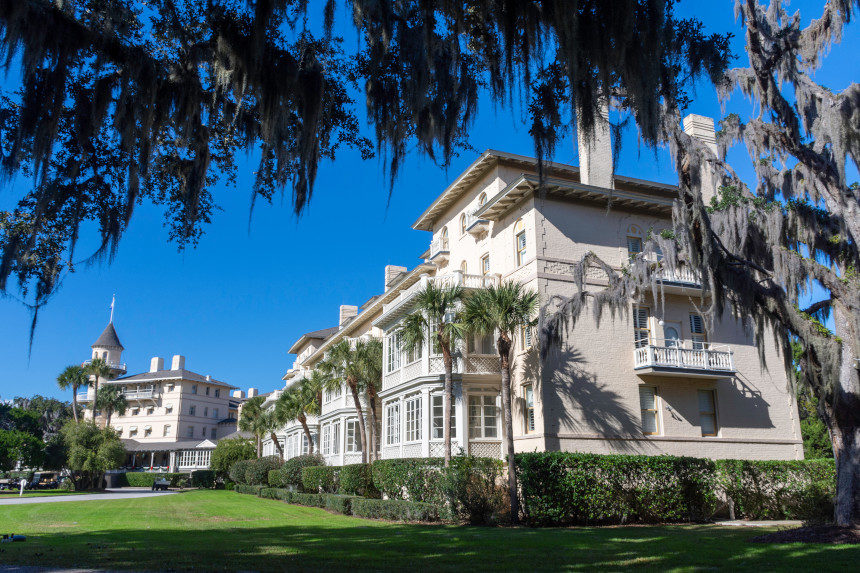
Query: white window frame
x,y
641,332
480,406
529,398
353,437
654,411
485,264
437,411
166,431
392,423
712,413
412,406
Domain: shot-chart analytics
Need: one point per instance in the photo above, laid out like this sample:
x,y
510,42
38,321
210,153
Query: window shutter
x,y
647,397
697,331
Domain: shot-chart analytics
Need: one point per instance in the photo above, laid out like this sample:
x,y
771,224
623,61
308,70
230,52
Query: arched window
x,y
485,264
634,241
482,198
104,355
520,241
464,268
462,223
444,238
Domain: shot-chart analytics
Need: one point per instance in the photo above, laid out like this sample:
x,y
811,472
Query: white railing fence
x,y
693,355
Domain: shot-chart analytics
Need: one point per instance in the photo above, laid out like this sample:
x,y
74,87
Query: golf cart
x,y
44,480
160,484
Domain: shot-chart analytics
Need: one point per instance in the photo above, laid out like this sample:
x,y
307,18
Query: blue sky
x,y
235,304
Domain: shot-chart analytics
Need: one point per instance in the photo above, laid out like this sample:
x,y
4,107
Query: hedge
x,y
237,471
203,478
560,488
394,509
339,503
309,499
146,479
779,489
416,479
357,479
291,471
257,471
320,479
248,489
275,493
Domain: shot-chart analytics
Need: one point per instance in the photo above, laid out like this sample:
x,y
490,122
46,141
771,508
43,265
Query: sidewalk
x,y
108,495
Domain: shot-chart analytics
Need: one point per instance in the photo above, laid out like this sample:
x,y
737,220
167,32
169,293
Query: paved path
x,y
108,495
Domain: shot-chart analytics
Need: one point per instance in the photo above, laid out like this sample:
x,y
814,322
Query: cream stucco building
x,y
653,380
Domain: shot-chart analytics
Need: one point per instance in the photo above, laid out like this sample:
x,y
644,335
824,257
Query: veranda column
x,y
462,419
426,417
342,439
172,463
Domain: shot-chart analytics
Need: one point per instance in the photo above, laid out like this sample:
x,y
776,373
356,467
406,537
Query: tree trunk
x,y
259,446
361,426
304,422
75,403
277,444
845,427
374,424
95,397
504,354
448,362
109,414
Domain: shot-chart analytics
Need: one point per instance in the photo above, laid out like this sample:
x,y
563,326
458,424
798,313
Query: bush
x,y
357,479
291,472
472,486
560,488
319,479
202,478
257,471
416,479
228,452
146,479
309,499
779,489
276,493
394,509
338,503
237,471
248,489
276,478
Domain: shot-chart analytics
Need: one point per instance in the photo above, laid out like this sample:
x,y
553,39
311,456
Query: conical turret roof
x,y
108,338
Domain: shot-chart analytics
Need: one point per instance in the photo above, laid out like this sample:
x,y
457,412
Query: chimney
x,y
252,392
702,128
346,312
595,152
156,364
178,362
238,394
392,272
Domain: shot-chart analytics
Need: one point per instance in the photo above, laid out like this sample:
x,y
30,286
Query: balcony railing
x,y
82,397
140,394
112,365
439,247
434,365
476,225
681,274
686,355
454,278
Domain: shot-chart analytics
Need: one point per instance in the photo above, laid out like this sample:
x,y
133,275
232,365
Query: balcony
x,y
82,397
399,305
130,395
687,359
116,366
487,364
439,251
476,226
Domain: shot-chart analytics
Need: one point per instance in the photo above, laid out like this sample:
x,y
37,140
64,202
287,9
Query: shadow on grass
x,y
313,539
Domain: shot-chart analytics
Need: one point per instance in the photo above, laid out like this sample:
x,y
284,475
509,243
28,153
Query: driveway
x,y
108,495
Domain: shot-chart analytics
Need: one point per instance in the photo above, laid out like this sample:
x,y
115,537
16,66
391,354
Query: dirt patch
x,y
813,534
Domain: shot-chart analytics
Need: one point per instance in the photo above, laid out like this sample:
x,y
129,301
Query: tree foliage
x,y
91,452
229,451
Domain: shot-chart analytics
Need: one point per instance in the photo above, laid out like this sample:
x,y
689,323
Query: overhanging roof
x,y
161,375
321,334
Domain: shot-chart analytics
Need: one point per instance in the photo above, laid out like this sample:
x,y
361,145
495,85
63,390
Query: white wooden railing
x,y
141,394
435,365
438,245
112,365
697,356
681,274
473,221
454,278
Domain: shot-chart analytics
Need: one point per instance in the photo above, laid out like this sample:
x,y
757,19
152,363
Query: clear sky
x,y
236,303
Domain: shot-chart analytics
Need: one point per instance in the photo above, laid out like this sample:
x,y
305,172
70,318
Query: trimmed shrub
x,y
394,509
276,493
146,479
560,488
257,471
309,499
474,491
320,479
416,479
357,479
803,489
237,471
229,451
276,478
247,489
291,472
338,503
202,478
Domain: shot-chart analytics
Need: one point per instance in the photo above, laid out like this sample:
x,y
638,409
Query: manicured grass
x,y
208,530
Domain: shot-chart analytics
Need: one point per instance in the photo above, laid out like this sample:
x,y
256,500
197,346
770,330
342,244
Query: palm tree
x,y
347,365
435,311
504,310
73,377
272,419
98,368
305,400
371,375
252,419
112,400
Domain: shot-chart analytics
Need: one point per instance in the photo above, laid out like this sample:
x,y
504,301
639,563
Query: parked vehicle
x,y
44,480
160,484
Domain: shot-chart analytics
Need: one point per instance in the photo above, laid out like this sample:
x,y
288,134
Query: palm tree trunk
x,y
361,426
277,444
374,437
446,414
75,403
259,446
109,414
504,353
95,397
304,422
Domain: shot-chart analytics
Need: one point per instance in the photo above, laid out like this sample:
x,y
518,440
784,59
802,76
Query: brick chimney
x,y
392,273
347,311
595,152
702,128
156,364
178,362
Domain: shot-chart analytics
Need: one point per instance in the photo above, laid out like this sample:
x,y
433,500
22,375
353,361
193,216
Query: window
x,y
206,412
444,235
530,408
213,433
166,431
132,431
190,431
353,437
526,336
217,392
482,417
335,437
305,445
641,331
326,440
481,344
648,405
392,423
413,419
634,246
135,411
464,268
485,264
393,355
482,198
170,386
194,389
192,410
438,411
147,431
697,332
708,412
150,410
215,413
462,223
520,242
168,408
414,353
119,431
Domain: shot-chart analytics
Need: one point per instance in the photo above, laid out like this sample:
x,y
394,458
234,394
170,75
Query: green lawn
x,y
225,530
